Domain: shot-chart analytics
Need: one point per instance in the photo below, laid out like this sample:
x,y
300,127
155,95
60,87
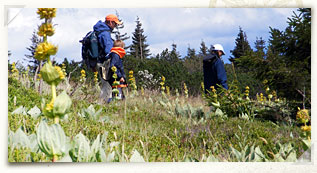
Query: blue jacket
x,y
117,62
104,36
214,72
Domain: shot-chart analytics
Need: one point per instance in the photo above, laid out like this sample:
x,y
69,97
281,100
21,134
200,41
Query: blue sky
x,y
186,27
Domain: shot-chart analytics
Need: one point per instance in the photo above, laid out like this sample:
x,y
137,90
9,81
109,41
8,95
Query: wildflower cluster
x,y
82,76
142,91
132,81
52,75
185,90
202,87
269,95
147,80
39,77
44,50
214,94
46,29
64,69
60,72
46,13
247,91
162,84
115,84
168,90
303,117
14,70
96,78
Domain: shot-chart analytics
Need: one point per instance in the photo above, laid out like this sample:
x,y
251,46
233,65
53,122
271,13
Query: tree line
x,y
282,63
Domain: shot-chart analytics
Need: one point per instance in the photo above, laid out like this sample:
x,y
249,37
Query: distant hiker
x,y
104,30
116,55
96,44
105,42
214,70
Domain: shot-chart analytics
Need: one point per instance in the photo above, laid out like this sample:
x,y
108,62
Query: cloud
x,y
162,26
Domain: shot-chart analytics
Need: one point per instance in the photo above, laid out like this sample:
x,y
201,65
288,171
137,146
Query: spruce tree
x,y
30,58
242,47
117,32
292,50
139,48
203,48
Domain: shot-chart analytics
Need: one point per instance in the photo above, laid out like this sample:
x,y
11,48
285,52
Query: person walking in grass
x,y
105,42
116,55
214,70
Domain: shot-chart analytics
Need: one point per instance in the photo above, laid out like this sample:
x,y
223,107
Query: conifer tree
x,y
242,47
117,32
30,58
139,48
203,48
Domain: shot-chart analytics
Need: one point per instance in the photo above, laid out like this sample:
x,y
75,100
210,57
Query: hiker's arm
x,y
221,73
107,42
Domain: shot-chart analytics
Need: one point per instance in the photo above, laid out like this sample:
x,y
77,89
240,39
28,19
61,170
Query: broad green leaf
x,y
20,110
51,139
62,104
20,139
291,157
136,157
212,158
34,112
80,150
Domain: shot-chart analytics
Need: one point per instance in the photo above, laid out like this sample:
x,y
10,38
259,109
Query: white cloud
x,y
162,26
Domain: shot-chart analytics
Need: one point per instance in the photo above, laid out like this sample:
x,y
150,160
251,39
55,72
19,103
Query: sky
x,y
186,27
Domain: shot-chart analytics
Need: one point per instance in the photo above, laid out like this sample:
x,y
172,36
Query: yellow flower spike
x,y
163,78
202,85
247,88
131,72
167,90
44,50
46,29
114,68
302,116
50,106
306,128
46,13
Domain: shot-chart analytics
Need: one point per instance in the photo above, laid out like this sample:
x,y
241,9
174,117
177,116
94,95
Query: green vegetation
x,y
263,116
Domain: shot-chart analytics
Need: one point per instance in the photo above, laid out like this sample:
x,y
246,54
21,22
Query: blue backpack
x,y
91,52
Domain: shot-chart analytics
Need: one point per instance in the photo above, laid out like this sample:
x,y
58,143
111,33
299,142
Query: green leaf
x,y
51,139
20,139
136,157
62,105
212,158
49,74
80,150
35,112
20,110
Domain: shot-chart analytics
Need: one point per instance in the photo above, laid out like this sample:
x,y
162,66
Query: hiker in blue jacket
x,y
105,42
214,70
104,30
